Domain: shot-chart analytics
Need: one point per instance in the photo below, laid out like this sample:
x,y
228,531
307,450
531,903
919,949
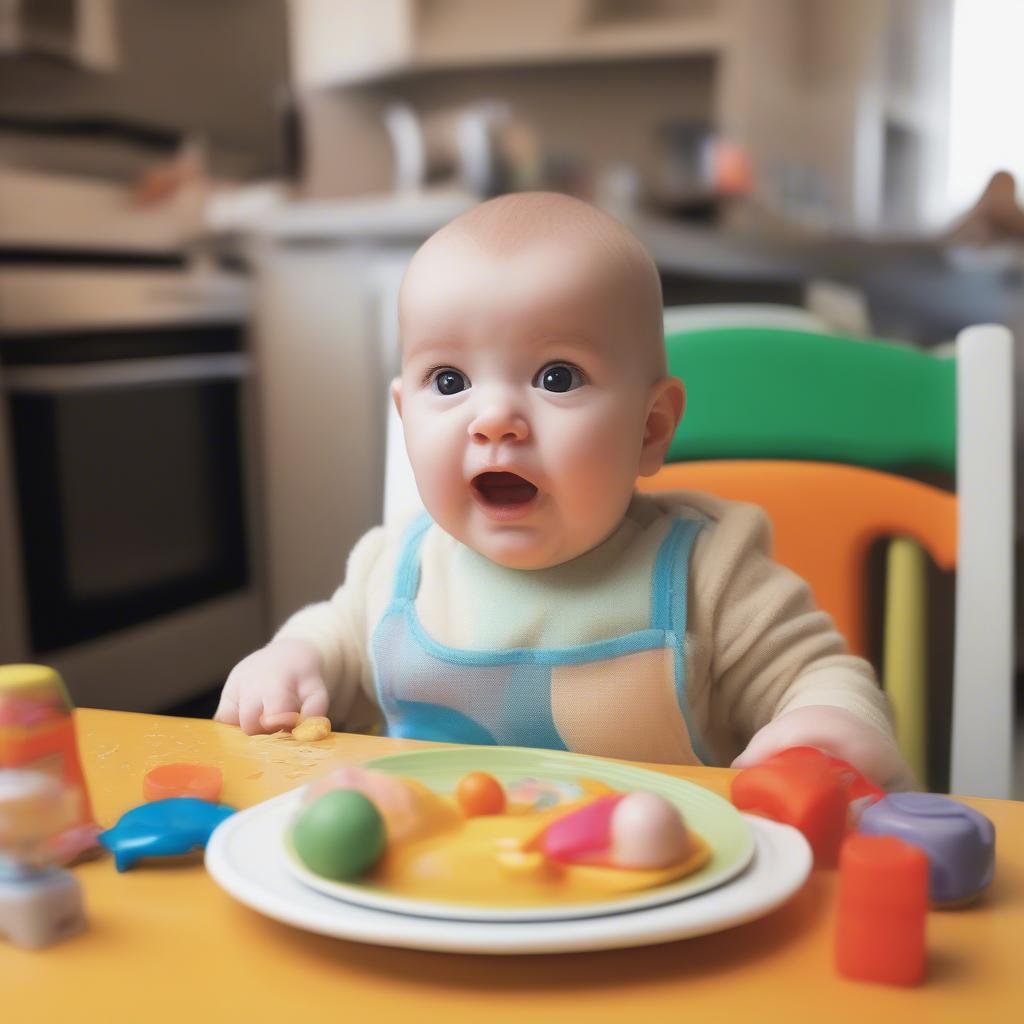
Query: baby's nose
x,y
498,421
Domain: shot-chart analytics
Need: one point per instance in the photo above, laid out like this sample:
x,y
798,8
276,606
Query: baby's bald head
x,y
514,223
533,358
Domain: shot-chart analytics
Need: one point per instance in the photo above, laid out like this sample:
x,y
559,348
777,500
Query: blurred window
x,y
987,82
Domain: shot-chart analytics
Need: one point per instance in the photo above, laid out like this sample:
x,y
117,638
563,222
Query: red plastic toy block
x,y
810,790
860,790
883,906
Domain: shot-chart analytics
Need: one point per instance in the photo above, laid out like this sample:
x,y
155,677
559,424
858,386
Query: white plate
x,y
244,857
708,814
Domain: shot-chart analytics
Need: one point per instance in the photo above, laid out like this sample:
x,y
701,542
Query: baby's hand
x,y
273,687
836,732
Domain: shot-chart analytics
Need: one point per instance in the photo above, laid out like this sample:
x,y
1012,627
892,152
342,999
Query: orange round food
x,y
202,781
479,793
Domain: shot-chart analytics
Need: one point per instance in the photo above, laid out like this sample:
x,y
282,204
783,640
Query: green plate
x,y
714,819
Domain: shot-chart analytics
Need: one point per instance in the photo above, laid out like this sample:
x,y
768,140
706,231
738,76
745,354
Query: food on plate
x,y
524,844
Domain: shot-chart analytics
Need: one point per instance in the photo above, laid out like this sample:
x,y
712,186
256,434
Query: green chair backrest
x,y
773,393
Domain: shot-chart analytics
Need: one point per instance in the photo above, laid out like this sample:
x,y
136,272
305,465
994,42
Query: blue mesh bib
x,y
622,697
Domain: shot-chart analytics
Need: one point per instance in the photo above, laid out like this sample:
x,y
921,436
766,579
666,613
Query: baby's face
x,y
524,398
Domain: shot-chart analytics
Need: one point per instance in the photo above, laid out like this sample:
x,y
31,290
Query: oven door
x,y
128,477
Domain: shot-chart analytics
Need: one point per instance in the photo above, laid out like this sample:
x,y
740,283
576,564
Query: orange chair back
x,y
825,517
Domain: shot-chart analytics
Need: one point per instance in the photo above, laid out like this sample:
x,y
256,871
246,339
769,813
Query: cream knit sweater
x,y
756,646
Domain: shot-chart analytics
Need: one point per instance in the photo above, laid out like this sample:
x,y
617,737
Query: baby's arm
x,y
837,732
781,673
317,663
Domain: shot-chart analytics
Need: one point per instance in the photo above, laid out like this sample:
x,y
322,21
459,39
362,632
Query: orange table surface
x,y
166,944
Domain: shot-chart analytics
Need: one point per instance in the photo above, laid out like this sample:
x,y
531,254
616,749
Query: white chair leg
x,y
983,658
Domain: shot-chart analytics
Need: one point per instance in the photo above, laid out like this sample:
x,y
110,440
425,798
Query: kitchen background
x,y
206,207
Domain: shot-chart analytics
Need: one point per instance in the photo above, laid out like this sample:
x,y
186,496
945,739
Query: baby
x,y
542,602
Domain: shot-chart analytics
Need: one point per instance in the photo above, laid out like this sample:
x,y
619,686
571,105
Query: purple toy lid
x,y
959,841
932,805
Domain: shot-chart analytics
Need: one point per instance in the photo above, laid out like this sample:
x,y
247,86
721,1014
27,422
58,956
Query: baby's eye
x,y
559,377
447,381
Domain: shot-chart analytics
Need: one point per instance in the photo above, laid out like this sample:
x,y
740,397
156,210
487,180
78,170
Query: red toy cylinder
x,y
883,905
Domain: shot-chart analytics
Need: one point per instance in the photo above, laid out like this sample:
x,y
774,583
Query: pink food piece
x,y
583,836
393,798
647,832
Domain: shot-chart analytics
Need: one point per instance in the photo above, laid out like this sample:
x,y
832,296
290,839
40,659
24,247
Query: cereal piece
x,y
309,730
522,863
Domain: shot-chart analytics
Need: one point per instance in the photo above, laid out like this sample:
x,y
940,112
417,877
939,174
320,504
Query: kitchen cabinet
x,y
844,109
323,384
841,107
337,42
325,331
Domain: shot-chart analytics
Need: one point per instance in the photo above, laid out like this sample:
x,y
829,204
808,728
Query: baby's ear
x,y
664,411
396,395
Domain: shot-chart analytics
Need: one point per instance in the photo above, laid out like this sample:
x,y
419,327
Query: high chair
x,y
775,394
741,314
904,650
879,407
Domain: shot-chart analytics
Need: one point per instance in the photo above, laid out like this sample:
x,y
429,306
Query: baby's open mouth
x,y
504,490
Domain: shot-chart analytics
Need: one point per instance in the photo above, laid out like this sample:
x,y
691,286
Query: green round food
x,y
341,835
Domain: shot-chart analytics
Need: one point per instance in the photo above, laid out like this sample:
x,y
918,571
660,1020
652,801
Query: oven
x,y
128,525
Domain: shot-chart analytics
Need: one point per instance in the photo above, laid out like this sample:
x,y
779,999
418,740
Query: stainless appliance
x,y
127,512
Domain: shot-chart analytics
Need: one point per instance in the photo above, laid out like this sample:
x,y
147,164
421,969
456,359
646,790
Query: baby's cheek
x,y
437,470
599,487
608,454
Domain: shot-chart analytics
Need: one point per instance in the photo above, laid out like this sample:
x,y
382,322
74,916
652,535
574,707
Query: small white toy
x,y
39,903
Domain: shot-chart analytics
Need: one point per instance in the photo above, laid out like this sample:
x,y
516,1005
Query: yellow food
x,y
309,730
492,860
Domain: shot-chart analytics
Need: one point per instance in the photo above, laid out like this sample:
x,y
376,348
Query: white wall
x,y
987,86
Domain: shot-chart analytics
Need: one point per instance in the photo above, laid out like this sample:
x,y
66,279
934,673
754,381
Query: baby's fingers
x,y
250,714
227,709
313,695
280,709
273,721
761,747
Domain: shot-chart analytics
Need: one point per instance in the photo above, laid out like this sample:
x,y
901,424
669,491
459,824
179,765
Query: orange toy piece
x,y
479,793
201,781
883,906
859,505
799,787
